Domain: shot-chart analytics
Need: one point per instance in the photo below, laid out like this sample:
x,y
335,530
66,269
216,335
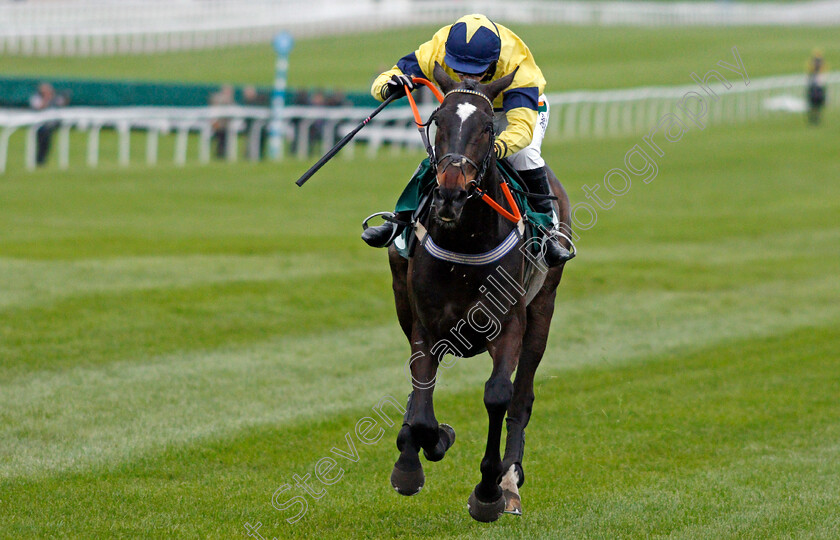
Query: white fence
x,y
633,111
394,127
102,27
586,114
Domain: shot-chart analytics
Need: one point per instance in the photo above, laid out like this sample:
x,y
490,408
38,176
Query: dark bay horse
x,y
464,291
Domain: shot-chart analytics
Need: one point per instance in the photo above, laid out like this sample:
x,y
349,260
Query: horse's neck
x,y
492,186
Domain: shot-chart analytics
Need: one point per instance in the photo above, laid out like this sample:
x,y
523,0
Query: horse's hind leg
x,y
487,502
399,281
540,312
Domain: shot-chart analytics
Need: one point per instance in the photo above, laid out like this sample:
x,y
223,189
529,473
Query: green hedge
x,y
15,92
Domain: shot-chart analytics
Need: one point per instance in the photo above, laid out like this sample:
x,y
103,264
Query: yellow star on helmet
x,y
474,22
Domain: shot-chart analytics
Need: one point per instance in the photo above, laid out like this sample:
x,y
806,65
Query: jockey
x,y
474,47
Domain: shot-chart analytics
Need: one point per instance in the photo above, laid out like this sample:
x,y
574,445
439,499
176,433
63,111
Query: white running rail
x,y
390,126
574,115
633,111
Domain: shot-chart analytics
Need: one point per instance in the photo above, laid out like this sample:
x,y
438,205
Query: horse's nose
x,y
449,202
454,196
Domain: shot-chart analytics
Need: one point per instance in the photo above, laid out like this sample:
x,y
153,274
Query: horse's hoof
x,y
408,482
485,512
513,504
445,441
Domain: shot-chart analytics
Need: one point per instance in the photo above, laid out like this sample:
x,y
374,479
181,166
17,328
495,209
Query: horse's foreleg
x,y
519,412
487,502
420,428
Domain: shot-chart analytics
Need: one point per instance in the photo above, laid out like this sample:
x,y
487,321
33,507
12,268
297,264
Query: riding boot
x,y
383,235
536,180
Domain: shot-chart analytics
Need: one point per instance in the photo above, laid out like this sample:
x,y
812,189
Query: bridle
x,y
460,160
514,215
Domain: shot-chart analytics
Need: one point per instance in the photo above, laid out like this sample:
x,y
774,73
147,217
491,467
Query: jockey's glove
x,y
397,85
501,149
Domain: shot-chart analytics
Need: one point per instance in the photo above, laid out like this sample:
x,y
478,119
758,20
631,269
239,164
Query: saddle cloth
x,y
423,181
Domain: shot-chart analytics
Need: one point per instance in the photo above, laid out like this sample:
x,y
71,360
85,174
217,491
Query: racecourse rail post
x,y
282,44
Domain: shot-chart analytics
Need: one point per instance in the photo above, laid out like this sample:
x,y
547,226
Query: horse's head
x,y
464,140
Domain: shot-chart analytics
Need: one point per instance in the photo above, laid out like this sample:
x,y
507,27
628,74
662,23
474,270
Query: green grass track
x,y
571,57
177,343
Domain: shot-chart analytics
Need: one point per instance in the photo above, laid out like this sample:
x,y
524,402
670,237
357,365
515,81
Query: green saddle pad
x,y
423,180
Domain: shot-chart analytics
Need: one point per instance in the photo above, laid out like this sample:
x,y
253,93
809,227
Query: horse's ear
x,y
445,82
495,88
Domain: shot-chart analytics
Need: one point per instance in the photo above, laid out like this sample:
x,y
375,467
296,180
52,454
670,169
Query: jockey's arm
x,y
380,82
420,63
518,133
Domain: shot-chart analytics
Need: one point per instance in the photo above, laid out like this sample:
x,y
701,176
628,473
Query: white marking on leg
x,y
513,503
510,480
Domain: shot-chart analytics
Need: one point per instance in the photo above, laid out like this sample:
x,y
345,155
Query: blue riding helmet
x,y
473,45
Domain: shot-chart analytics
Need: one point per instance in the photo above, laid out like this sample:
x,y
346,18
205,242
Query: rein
x,y
515,215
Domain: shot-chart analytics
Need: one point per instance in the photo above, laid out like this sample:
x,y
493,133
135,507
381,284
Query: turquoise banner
x,y
16,91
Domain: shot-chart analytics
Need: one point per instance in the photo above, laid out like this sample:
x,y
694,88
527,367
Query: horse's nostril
x,y
454,196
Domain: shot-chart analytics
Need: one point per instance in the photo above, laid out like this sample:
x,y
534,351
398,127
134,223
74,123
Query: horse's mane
x,y
470,84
